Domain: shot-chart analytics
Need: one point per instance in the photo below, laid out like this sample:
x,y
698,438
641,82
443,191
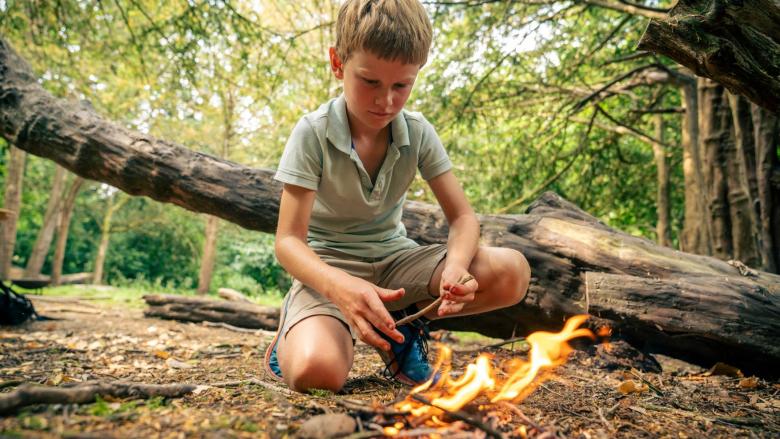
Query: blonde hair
x,y
389,29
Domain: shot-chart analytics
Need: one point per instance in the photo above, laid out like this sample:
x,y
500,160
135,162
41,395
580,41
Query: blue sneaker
x,y
270,361
408,362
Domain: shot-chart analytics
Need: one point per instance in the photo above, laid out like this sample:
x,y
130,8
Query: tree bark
x,y
715,132
209,254
734,42
696,235
663,228
13,203
724,316
50,219
62,232
742,186
766,128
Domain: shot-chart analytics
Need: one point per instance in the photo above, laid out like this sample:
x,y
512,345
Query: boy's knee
x,y
516,275
316,370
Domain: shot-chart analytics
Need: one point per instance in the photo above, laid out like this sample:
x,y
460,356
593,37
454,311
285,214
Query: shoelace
x,y
423,333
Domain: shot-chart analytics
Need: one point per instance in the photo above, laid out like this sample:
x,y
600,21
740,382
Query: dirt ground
x,y
234,398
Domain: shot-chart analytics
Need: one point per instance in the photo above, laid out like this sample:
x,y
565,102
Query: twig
x,y
604,420
461,417
467,277
254,381
521,415
649,384
420,313
236,328
496,345
358,407
30,394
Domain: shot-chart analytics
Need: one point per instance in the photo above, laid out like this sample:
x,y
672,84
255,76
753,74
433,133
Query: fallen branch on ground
x,y
199,309
30,394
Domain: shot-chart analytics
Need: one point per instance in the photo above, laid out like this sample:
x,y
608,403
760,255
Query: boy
x,y
346,168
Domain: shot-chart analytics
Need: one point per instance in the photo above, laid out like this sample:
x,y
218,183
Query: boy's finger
x,y
369,336
383,321
390,295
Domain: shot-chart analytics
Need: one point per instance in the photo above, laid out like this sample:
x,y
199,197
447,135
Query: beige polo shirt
x,y
351,214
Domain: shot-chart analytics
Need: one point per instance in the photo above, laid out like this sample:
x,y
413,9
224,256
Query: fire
x,y
441,394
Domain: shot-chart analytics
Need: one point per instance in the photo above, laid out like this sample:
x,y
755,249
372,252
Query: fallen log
x,y
696,308
726,317
201,309
232,295
30,394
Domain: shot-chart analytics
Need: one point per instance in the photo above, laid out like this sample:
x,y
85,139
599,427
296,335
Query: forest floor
x,y
234,398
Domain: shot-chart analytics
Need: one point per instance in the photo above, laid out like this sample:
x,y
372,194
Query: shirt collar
x,y
338,133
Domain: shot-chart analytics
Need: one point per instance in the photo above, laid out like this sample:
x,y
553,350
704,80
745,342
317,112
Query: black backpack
x,y
15,309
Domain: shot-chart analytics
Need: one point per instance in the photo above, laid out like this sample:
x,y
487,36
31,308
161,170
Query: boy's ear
x,y
335,64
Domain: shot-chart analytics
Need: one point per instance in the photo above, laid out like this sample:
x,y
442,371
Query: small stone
x,y
326,426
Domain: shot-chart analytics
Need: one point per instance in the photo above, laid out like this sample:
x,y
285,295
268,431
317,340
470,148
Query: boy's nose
x,y
384,100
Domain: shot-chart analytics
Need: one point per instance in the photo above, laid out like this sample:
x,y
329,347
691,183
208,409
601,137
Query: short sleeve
x,y
433,160
301,162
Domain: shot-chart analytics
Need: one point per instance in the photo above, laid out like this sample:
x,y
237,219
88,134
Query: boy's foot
x,y
270,360
408,361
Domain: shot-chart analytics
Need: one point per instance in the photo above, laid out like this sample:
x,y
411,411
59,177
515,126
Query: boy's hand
x,y
457,287
361,302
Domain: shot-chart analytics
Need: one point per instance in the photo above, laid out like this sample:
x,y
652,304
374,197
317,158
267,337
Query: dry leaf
x,y
176,364
748,383
724,369
631,386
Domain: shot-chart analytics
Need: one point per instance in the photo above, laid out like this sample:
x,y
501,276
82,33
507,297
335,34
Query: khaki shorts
x,y
410,269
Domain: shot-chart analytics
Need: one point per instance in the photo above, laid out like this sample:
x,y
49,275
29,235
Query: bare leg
x,y
502,274
316,354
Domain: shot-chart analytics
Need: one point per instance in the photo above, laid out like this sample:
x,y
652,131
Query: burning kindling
x,y
438,402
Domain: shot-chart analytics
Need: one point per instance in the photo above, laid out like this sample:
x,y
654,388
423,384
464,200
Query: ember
x,y
436,400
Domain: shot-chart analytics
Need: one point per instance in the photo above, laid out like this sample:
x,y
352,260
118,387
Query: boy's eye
x,y
371,81
401,85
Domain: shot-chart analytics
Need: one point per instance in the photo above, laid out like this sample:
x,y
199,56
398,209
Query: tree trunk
x,y
766,128
209,254
696,234
741,177
50,219
13,203
62,232
105,236
663,228
736,43
211,232
722,314
714,133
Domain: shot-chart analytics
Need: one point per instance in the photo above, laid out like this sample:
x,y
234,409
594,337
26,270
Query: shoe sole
x,y
400,376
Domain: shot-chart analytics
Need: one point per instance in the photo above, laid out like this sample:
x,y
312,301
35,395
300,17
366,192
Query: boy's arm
x,y
360,301
462,242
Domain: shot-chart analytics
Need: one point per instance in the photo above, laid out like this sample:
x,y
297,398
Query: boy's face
x,y
375,89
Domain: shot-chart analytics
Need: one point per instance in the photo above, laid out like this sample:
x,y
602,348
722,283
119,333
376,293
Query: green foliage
x,y
247,263
230,79
99,408
321,393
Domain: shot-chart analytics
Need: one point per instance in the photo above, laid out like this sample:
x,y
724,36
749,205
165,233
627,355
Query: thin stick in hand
x,y
432,306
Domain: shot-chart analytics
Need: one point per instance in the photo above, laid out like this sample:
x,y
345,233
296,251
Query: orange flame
x,y
446,394
605,332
